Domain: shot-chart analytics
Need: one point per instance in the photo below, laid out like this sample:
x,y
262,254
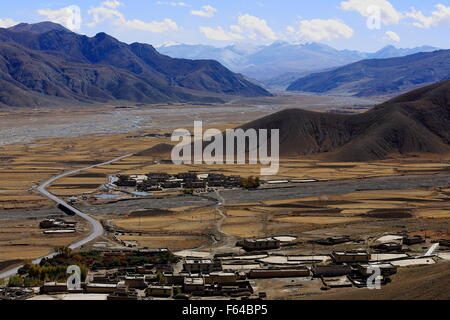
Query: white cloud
x,y
318,30
388,14
112,4
165,25
236,28
248,27
7,22
255,28
391,36
207,12
441,16
107,11
290,30
104,13
172,3
220,34
70,16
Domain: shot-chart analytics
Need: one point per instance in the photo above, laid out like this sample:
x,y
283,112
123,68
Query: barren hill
x,y
417,122
45,64
374,77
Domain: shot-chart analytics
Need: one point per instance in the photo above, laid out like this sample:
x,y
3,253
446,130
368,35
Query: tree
x,y
176,290
162,281
64,252
16,281
250,182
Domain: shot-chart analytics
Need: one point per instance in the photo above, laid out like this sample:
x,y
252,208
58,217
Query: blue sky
x,y
342,24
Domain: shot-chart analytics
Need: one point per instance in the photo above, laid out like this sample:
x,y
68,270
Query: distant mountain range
x,y
375,77
416,122
46,64
276,63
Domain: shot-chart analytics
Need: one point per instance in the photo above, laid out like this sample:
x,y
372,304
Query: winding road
x,y
96,226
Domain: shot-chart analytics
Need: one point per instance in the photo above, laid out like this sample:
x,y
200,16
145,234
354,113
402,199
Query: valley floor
x,y
362,200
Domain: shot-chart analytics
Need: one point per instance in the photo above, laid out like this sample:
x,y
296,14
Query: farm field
x,y
17,248
25,165
357,213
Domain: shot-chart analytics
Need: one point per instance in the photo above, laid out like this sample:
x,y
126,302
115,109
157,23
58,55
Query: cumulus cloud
x,y
207,12
112,4
70,17
391,36
247,27
7,22
255,28
108,11
220,34
318,30
441,16
367,8
172,3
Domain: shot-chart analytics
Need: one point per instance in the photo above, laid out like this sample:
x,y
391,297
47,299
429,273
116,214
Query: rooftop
x,y
261,240
198,261
350,253
194,281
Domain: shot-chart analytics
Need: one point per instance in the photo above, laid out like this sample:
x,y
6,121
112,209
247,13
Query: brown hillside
x,y
417,122
414,283
160,150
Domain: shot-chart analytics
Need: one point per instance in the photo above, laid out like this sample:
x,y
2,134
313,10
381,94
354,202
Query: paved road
x,y
96,226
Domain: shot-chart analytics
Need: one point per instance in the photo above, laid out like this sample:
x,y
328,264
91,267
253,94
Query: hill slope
x,y
45,61
379,76
417,122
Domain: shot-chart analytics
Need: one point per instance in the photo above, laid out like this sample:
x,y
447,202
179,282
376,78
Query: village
x,y
194,181
159,274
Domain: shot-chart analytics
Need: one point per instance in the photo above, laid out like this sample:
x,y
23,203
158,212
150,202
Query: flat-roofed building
x,y
279,273
174,279
350,256
260,244
135,282
202,265
54,287
159,291
388,246
386,269
221,277
194,285
332,240
413,240
100,288
331,271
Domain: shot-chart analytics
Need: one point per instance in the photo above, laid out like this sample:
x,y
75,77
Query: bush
x,y
250,182
16,281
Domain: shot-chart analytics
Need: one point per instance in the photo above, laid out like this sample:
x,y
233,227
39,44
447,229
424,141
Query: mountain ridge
x,y
268,62
416,122
103,69
368,77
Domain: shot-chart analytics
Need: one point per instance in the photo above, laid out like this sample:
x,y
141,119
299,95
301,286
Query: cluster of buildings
x,y
187,180
236,275
198,277
57,226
